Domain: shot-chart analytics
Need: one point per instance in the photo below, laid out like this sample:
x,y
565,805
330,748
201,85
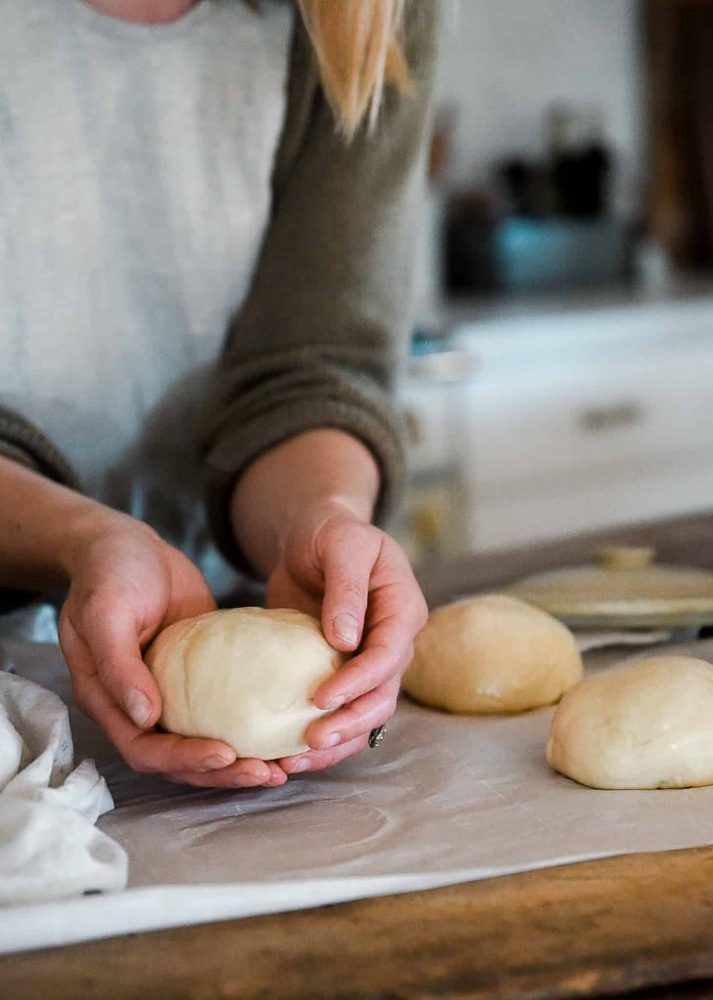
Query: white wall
x,y
505,61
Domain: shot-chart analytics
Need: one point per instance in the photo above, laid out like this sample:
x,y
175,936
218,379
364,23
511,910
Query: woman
x,y
170,170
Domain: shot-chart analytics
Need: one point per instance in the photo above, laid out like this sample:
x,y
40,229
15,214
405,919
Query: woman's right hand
x,y
126,585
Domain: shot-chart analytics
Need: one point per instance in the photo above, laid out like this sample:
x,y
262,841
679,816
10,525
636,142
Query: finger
x,y
315,760
387,652
348,561
109,635
236,776
208,780
277,775
397,612
241,774
358,718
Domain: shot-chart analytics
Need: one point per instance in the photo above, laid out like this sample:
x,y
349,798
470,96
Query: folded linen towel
x,y
49,845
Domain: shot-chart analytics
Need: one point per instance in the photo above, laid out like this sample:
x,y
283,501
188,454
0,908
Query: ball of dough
x,y
648,724
245,676
492,653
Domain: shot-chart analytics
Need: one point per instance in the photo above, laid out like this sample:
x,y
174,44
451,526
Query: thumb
x,y
348,562
112,650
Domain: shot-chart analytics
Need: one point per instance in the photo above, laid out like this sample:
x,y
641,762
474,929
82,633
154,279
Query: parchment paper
x,y
445,799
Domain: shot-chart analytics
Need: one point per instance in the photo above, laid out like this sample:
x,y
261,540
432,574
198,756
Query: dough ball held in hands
x,y
492,653
245,676
648,724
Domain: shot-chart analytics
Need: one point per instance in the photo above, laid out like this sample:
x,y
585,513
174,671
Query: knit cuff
x,y
22,442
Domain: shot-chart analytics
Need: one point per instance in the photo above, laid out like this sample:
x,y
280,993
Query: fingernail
x,y
300,765
217,760
335,703
137,707
330,740
347,628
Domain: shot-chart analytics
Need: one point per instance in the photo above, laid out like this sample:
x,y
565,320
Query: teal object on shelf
x,y
533,254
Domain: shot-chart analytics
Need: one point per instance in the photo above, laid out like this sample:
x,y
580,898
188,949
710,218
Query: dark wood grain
x,y
590,929
601,928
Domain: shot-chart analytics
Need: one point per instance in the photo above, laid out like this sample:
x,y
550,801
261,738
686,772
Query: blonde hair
x,y
359,51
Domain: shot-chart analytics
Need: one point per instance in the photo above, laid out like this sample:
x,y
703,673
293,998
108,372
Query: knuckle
x,y
421,612
138,765
110,673
392,685
389,708
381,649
370,536
130,758
405,661
350,537
80,700
384,709
347,527
66,629
63,619
357,719
352,590
93,605
134,758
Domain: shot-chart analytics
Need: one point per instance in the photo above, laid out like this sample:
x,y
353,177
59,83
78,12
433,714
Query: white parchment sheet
x,y
445,799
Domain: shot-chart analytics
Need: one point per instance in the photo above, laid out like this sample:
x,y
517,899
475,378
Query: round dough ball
x,y
492,653
245,676
648,724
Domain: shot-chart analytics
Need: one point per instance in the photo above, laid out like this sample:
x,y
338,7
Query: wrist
x,y
85,524
315,475
44,529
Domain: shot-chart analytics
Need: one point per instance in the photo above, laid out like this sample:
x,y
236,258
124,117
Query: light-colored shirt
x,y
135,168
322,329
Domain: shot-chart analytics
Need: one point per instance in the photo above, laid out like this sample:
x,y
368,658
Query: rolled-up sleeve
x,y
23,442
323,329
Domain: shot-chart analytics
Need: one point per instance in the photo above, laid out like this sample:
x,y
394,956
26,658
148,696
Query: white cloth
x,y
135,180
49,845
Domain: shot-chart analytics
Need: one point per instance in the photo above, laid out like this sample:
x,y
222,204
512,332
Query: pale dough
x,y
245,676
492,653
648,724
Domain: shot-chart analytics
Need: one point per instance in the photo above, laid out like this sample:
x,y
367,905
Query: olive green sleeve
x,y
22,442
324,327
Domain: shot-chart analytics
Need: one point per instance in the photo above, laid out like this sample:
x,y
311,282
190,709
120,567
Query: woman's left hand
x,y
359,583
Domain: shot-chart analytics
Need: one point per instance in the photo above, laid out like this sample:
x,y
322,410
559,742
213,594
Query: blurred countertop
x,y
441,320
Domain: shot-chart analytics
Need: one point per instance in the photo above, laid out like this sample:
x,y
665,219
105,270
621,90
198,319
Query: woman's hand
x,y
359,583
126,585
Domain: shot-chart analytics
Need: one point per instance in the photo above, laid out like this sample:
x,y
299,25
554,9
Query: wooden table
x,y
599,928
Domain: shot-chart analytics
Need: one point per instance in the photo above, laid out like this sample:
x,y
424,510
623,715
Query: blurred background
x,y
561,371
